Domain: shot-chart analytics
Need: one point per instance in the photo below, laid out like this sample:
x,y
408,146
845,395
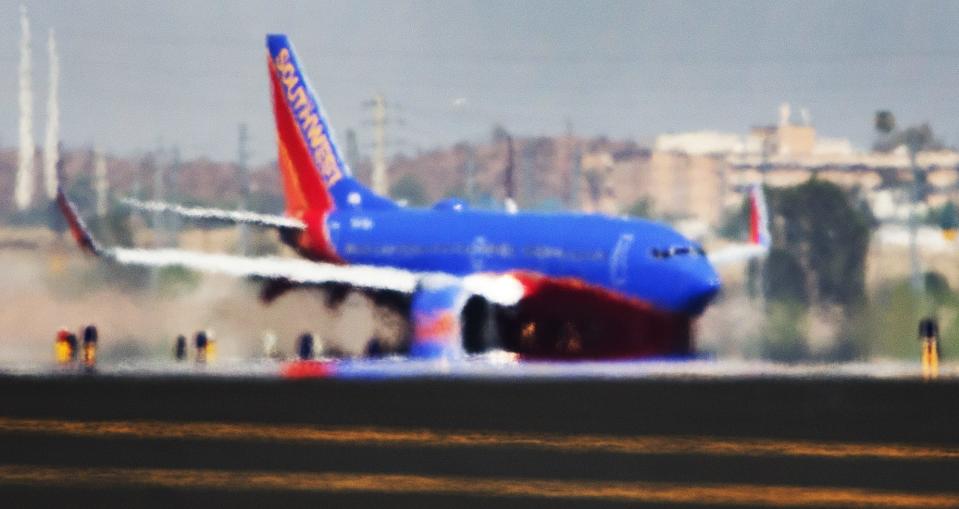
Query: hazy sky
x,y
187,72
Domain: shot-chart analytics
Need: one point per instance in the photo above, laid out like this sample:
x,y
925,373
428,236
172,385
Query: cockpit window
x,y
677,250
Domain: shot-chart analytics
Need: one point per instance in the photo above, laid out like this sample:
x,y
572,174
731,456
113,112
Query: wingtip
x,y
78,228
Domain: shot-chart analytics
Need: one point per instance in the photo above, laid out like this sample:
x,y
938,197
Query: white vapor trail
x,y
51,152
25,178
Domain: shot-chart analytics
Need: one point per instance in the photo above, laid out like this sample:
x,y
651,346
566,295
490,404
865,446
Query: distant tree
x,y
786,278
949,217
817,261
785,333
498,134
937,286
642,207
410,189
824,238
594,184
885,121
915,138
945,217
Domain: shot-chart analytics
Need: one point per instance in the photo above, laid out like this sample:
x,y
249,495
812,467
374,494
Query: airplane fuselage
x,y
639,259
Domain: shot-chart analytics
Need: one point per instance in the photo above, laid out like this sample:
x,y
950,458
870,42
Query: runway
x,y
475,442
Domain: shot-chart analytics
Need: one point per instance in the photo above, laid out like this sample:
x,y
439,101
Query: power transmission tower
x,y
575,170
528,168
576,178
509,183
352,150
469,187
242,158
101,183
379,177
173,186
159,194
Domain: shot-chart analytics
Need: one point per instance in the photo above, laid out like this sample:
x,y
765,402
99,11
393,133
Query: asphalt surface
x,y
432,442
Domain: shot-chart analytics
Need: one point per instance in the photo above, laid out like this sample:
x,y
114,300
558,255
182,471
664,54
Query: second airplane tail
x,y
758,217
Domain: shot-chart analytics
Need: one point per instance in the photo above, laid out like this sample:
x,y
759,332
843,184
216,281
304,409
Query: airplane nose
x,y
703,291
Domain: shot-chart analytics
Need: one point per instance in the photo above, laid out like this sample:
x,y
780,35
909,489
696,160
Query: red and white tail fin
x,y
297,121
316,179
758,217
759,237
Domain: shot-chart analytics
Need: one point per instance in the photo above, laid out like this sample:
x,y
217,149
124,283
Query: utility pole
x,y
469,188
101,184
159,194
242,157
529,189
915,276
159,237
576,178
379,178
173,183
352,150
508,181
915,139
572,148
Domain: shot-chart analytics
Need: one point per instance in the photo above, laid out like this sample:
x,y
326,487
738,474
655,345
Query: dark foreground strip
x,y
643,445
636,492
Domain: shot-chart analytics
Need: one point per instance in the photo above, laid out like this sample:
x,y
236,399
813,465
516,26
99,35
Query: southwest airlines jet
x,y
540,285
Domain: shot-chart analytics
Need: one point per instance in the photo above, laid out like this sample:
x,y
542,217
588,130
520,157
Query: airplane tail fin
x,y
315,177
758,217
759,238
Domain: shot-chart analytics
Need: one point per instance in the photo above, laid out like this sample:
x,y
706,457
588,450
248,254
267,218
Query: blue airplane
x,y
541,285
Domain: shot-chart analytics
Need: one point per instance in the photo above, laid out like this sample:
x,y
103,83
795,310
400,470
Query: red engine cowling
x,y
566,319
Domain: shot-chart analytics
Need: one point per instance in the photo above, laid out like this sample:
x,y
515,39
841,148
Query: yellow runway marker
x,y
713,494
642,445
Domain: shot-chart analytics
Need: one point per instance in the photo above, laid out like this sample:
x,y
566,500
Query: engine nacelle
x,y
436,316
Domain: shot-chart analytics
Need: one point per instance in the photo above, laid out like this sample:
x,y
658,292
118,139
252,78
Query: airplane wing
x,y
496,288
759,237
207,214
737,253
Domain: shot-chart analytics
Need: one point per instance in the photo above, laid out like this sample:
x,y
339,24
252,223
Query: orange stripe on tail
x,y
301,182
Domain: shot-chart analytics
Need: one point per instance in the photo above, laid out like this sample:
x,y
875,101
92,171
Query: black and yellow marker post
x,y
90,339
201,343
210,347
179,350
929,342
65,347
304,346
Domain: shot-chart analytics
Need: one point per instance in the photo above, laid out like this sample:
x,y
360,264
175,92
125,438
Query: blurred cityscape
x,y
864,237
693,180
693,177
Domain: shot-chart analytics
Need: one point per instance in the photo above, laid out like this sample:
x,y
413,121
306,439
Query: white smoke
x,y
51,152
101,184
25,178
